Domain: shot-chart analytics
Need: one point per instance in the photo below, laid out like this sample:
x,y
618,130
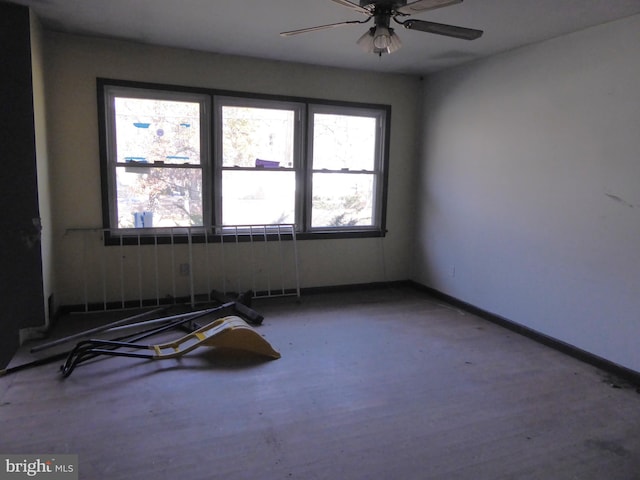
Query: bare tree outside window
x,y
159,167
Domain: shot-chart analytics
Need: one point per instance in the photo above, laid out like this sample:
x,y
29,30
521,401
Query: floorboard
x,y
373,384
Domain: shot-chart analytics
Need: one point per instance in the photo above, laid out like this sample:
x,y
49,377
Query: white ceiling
x,y
251,27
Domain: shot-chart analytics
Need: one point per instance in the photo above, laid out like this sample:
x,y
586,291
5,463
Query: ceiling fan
x,y
381,38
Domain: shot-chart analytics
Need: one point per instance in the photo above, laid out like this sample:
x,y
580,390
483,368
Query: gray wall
x,y
529,189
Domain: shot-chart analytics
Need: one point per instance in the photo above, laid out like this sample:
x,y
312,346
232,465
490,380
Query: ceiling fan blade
x,y
320,27
353,6
424,5
442,29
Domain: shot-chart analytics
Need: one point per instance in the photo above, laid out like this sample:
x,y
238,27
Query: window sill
x,y
140,237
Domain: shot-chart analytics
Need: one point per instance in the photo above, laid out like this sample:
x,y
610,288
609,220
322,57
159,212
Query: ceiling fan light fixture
x,y
380,40
366,40
395,44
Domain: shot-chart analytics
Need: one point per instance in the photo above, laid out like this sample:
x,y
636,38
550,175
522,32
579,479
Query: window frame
x,y
378,170
211,161
299,109
110,92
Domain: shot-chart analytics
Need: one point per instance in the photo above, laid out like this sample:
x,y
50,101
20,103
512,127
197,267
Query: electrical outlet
x,y
184,269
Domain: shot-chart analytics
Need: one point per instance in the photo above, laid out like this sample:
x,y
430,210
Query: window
x,y
183,157
259,156
346,167
157,159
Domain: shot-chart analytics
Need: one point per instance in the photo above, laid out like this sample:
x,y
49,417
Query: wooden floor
x,y
377,384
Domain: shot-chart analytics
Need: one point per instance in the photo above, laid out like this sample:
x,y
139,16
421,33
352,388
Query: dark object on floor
x,y
176,320
242,305
99,329
35,363
188,321
228,332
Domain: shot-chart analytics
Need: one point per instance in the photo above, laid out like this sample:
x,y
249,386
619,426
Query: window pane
x,y
173,196
253,197
149,131
344,141
342,199
251,134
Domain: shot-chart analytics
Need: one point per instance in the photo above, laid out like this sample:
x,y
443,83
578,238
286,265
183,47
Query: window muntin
x,y
157,158
320,165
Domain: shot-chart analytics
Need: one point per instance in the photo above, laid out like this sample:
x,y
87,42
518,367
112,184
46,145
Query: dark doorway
x,y
21,290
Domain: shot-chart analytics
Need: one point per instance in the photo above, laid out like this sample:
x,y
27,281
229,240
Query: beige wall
x,y
74,62
42,161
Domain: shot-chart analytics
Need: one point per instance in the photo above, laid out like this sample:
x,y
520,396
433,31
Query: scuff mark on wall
x,y
619,200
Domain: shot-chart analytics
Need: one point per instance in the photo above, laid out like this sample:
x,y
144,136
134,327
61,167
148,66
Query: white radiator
x,y
180,264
